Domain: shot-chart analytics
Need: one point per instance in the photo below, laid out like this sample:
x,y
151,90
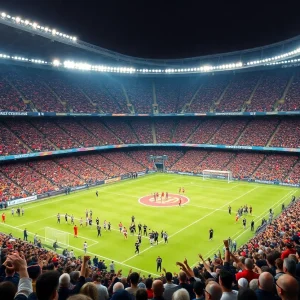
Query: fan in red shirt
x,y
75,231
289,250
247,272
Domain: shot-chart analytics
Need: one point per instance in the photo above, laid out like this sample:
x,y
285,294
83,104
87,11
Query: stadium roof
x,y
23,38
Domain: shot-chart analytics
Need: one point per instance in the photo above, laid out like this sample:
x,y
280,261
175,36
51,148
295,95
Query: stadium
x,y
150,159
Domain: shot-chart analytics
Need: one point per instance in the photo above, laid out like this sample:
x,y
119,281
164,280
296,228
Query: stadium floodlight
x,y
53,31
56,63
18,19
3,15
26,22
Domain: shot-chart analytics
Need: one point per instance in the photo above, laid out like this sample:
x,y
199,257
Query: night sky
x,y
166,29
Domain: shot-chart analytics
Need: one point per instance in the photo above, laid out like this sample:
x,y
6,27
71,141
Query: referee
x,y
158,264
137,247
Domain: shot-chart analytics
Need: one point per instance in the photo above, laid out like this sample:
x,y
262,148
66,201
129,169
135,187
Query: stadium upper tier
x,y
39,90
41,176
20,136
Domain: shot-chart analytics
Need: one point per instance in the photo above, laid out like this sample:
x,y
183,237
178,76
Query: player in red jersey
x,y
162,194
75,231
179,190
3,218
182,190
179,202
236,218
125,233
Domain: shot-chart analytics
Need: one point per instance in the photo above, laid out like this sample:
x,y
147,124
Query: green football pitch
x,y
187,226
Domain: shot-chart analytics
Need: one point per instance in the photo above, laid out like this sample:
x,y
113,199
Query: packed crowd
x,y
266,267
21,136
49,91
238,91
269,91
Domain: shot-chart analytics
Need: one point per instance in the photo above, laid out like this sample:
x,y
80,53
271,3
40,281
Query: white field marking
x,y
195,222
168,206
81,191
91,253
241,232
22,225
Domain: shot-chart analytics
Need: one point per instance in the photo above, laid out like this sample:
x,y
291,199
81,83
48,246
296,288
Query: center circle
x,y
172,200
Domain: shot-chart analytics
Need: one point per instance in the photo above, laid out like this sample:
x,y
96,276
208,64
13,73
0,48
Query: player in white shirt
x,y
104,225
72,219
85,247
87,221
12,212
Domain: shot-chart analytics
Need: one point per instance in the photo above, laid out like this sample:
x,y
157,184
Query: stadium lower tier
x,y
21,136
32,177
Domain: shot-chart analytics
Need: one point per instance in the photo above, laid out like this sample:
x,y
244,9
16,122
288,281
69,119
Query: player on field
x,y
140,228
91,213
211,234
137,247
167,195
166,237
179,202
140,238
109,226
104,225
162,195
90,222
85,245
132,219
98,230
58,218
81,222
250,210
66,218
183,190
156,237
131,229
179,191
236,217
154,196
86,213
244,223
13,212
97,221
125,233
3,218
22,209
145,229
252,225
72,219
229,209
120,227
87,221
97,194
75,231
151,238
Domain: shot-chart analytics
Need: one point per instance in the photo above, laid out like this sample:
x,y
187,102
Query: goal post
x,y
208,174
53,235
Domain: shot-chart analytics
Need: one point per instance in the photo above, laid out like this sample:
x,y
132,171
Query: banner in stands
x,y
99,148
22,200
209,114
115,179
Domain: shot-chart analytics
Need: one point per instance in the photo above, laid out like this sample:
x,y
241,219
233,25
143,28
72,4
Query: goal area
x,y
53,235
216,174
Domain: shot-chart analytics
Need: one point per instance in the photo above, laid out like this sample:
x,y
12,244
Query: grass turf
x,y
187,226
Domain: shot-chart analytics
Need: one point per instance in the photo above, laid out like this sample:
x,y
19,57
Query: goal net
x,y
208,174
53,235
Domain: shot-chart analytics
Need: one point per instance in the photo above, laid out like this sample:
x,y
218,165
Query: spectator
x,y
247,271
181,294
141,294
158,290
279,268
47,285
265,289
64,285
148,284
199,288
247,294
133,279
102,290
213,291
8,290
287,287
226,281
253,285
89,289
